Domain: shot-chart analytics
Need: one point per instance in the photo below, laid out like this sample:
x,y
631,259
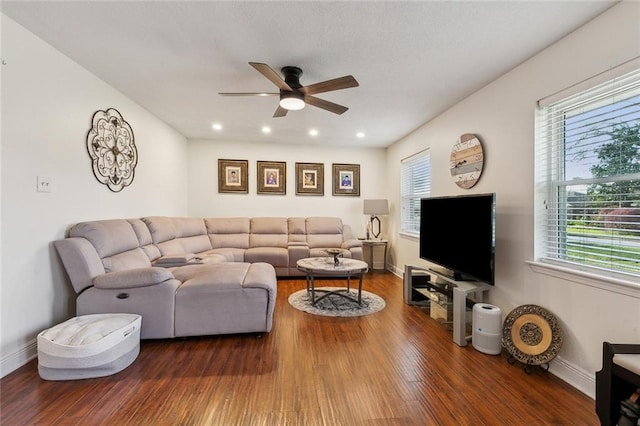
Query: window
x,y
588,179
415,183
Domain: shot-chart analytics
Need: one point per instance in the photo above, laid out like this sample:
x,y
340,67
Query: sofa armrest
x,y
349,244
623,348
139,277
80,260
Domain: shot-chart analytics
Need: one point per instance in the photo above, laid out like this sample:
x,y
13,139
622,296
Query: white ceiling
x,y
413,60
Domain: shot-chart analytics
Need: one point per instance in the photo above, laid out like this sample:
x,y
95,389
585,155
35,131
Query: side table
x,y
372,244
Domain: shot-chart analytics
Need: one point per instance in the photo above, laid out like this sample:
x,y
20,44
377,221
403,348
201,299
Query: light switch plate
x,y
44,184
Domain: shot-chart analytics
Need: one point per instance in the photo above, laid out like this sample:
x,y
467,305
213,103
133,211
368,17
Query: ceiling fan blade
x,y
327,86
249,94
273,76
329,106
280,112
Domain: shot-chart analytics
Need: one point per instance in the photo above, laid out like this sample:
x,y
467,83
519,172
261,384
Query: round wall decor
x,y
112,149
532,335
467,160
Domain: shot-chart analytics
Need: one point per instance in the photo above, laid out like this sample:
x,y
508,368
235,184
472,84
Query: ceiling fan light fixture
x,y
292,101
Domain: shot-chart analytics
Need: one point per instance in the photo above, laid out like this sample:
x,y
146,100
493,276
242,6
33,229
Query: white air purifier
x,y
487,328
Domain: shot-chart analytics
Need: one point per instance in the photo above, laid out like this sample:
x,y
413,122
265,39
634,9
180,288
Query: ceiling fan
x,y
293,95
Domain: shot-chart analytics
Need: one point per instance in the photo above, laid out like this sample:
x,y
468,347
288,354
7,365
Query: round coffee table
x,y
325,266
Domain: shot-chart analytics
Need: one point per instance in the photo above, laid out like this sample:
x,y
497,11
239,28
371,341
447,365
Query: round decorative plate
x,y
532,335
467,159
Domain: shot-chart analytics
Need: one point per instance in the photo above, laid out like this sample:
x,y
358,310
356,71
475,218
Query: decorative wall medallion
x,y
112,149
467,160
532,335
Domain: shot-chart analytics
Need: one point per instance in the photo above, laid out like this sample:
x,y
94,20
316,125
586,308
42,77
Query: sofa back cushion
x,y
178,235
268,232
163,233
297,229
161,228
115,242
191,232
230,232
109,237
144,238
131,259
324,232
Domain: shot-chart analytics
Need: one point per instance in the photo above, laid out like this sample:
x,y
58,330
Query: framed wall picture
x,y
309,179
346,179
233,176
272,177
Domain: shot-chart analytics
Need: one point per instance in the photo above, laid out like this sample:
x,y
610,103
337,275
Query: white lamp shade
x,y
376,207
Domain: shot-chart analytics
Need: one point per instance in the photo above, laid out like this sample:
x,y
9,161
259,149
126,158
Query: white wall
x,y
502,115
205,201
47,105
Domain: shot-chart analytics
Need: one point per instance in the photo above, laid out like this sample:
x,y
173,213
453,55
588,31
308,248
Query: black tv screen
x,y
458,233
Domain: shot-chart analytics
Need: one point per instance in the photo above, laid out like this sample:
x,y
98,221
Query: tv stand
x,y
459,290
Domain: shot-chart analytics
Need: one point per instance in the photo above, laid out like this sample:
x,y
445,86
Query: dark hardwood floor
x,y
394,367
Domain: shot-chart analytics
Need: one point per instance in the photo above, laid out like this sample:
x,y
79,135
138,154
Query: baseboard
x,y
17,359
395,270
582,380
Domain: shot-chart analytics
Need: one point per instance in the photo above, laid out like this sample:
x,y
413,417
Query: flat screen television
x,y
458,234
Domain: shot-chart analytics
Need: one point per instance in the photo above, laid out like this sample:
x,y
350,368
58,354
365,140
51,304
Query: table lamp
x,y
374,208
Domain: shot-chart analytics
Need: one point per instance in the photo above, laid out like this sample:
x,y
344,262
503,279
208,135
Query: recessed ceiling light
x,y
313,132
217,126
360,134
266,129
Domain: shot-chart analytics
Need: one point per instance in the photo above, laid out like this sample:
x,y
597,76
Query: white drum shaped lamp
x,y
375,208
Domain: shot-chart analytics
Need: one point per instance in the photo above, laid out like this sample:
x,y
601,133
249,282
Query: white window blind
x,y
588,179
415,183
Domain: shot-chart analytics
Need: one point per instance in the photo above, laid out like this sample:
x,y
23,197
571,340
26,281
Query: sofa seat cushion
x,y
213,277
213,258
230,254
276,256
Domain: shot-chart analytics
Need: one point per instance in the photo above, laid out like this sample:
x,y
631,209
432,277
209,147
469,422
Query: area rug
x,y
337,306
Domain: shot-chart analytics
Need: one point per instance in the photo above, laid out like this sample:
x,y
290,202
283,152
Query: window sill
x,y
410,236
615,285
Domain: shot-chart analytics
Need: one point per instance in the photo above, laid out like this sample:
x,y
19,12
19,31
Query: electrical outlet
x,y
44,184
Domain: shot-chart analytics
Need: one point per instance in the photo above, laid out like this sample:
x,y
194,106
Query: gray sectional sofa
x,y
193,276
